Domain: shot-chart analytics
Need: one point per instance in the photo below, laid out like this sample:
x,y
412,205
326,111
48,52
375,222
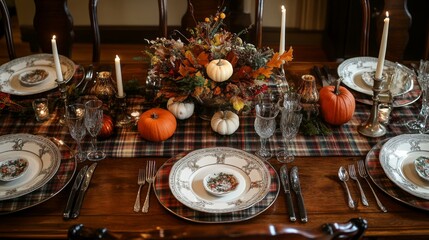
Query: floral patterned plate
x,y
11,74
397,158
187,175
43,158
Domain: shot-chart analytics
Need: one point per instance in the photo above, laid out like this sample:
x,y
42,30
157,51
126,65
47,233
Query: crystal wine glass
x,y
423,79
75,120
289,125
93,123
265,125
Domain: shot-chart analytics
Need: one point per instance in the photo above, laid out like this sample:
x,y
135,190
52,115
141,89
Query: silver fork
x,y
140,181
364,174
150,177
352,172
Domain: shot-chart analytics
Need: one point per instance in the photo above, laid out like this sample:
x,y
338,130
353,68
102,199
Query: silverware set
x,y
145,175
296,186
80,186
343,175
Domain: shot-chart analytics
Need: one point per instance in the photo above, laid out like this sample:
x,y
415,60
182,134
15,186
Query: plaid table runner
x,y
195,133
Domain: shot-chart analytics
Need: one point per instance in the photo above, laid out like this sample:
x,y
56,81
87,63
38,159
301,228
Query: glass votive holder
x,y
384,110
41,110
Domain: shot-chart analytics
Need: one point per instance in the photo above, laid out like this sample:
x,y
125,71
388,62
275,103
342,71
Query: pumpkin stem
x,y
154,115
219,63
337,86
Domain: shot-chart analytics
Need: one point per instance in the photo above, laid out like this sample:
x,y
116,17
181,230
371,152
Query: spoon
x,y
60,143
89,73
344,177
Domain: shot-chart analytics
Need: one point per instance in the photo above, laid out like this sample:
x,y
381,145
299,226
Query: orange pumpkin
x,y
107,128
156,125
337,104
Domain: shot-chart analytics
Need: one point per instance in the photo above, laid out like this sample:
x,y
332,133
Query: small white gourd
x,y
225,122
219,70
181,110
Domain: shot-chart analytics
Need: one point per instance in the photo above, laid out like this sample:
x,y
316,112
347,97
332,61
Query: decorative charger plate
x,y
378,176
11,73
169,201
186,179
397,160
356,74
44,160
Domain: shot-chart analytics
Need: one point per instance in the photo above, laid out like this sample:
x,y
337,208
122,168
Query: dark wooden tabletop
x,y
110,198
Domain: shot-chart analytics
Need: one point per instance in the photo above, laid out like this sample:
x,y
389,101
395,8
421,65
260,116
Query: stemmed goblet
x,y
265,125
75,120
289,125
93,123
423,79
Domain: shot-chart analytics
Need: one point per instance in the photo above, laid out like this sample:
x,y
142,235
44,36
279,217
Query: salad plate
x,y
397,157
380,179
43,158
33,74
357,74
186,179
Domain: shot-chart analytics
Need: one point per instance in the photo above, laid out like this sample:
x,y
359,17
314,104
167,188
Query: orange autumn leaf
x,y
190,57
265,71
203,59
277,60
186,71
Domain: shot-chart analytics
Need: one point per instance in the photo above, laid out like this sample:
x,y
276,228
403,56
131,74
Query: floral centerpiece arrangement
x,y
213,66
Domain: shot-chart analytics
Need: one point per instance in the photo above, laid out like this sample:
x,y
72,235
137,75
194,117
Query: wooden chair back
x,y
398,28
353,229
7,29
198,10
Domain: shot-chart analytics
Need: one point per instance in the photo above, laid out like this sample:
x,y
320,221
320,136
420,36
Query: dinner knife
x,y
75,188
284,177
82,190
297,188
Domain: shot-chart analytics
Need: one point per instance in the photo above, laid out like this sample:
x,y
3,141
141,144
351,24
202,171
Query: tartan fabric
x,y
50,189
379,177
167,199
195,133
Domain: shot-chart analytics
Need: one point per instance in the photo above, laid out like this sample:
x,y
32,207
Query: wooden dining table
x,y
109,200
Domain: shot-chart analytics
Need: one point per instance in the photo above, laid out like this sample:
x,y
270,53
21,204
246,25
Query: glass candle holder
x,y
41,110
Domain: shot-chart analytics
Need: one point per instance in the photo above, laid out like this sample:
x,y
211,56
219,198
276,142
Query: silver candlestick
x,y
123,119
372,127
62,86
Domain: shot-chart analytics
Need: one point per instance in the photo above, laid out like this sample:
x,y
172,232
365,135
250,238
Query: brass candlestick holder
x,y
123,119
372,127
62,86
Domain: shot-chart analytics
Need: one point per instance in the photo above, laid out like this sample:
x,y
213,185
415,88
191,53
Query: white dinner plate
x,y
11,72
187,174
356,73
44,160
397,160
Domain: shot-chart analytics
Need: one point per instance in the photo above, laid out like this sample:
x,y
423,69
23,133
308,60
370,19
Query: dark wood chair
x,y
354,229
7,29
399,27
198,10
96,40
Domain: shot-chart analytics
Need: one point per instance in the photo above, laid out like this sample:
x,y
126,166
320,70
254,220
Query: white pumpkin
x,y
225,122
181,110
219,70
